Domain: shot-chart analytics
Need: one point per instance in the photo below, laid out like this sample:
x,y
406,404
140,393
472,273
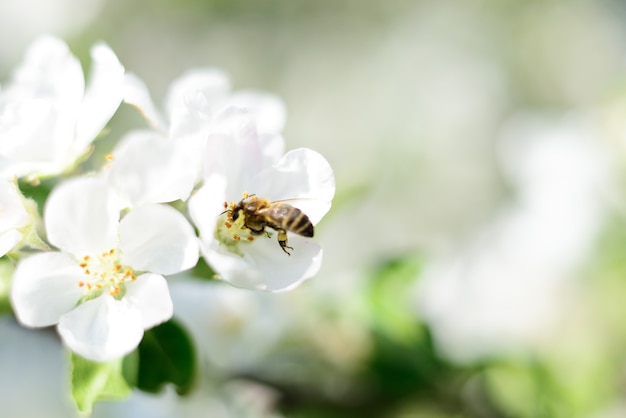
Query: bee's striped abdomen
x,y
292,219
301,224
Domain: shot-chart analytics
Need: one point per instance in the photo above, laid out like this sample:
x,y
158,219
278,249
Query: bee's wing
x,y
314,208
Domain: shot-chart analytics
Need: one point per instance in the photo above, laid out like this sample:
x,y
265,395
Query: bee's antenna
x,y
228,209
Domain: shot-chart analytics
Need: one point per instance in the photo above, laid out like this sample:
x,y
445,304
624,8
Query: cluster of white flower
x,y
114,234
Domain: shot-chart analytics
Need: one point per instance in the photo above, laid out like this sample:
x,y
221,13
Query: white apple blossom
x,y
48,118
239,161
17,217
197,97
165,164
105,285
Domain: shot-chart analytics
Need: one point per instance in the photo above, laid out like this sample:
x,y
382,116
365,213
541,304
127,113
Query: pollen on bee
x,y
245,195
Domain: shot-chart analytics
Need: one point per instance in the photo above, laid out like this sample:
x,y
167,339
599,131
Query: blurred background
x,y
474,258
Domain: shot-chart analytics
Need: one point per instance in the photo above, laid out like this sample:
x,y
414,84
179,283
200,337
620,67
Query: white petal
x,y
50,72
235,151
27,136
148,168
81,216
301,174
44,287
8,240
191,119
102,97
269,110
272,148
211,83
264,265
149,294
13,214
40,108
136,94
157,238
102,329
207,203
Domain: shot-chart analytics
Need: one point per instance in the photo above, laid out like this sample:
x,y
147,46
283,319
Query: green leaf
x,y
389,298
166,355
93,381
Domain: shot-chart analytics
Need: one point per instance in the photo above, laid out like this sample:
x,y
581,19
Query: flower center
x,y
231,227
104,273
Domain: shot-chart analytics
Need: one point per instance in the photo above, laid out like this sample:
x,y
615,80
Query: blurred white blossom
x,y
509,288
48,118
236,399
233,329
34,366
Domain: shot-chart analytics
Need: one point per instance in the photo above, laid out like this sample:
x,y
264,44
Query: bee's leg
x,y
256,231
282,240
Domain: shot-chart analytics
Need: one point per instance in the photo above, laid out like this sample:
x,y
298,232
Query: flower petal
x,y
158,238
136,94
39,108
210,83
264,265
27,140
82,215
102,329
206,204
269,110
44,287
148,168
150,295
50,72
102,97
225,322
301,174
8,240
13,216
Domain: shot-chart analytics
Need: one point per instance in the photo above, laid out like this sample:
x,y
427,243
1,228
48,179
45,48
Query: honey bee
x,y
259,214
